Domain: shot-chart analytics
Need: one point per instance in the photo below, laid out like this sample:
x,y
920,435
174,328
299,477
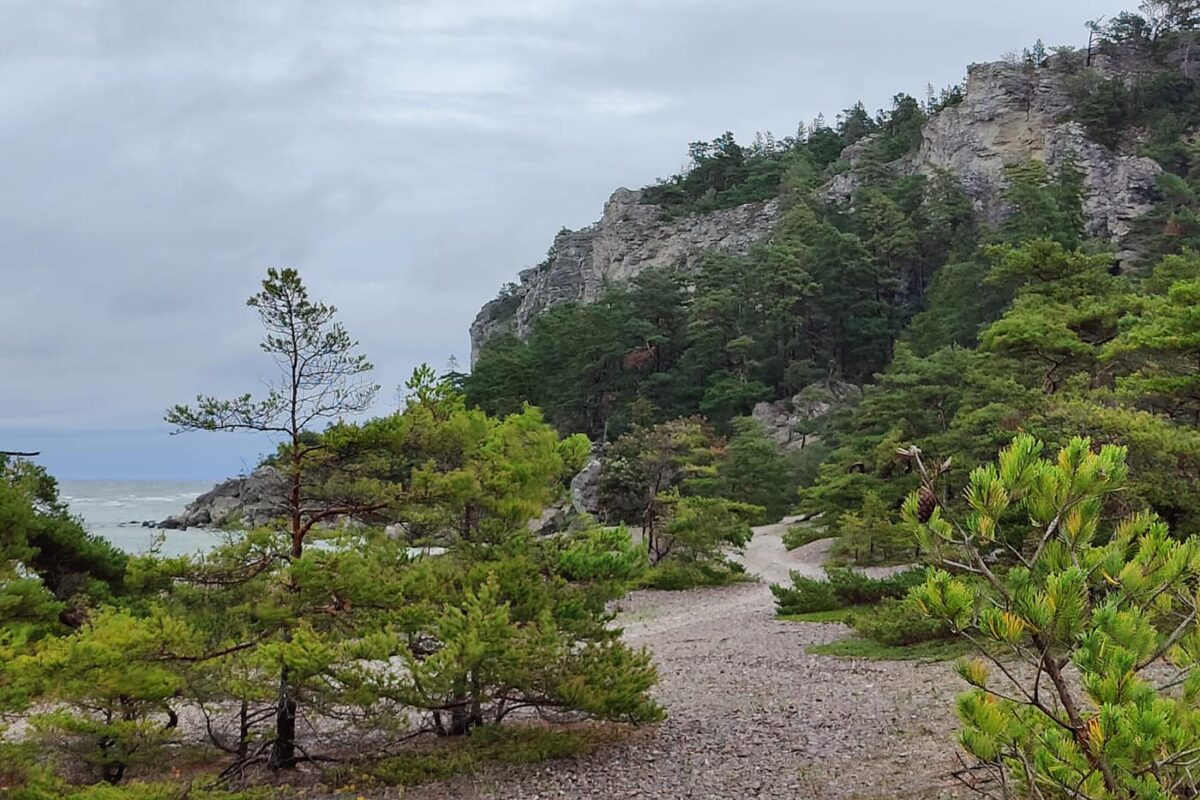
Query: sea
x,y
117,511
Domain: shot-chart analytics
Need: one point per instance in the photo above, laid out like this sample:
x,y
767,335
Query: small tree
x,y
111,690
754,471
1037,578
701,531
869,535
644,465
321,379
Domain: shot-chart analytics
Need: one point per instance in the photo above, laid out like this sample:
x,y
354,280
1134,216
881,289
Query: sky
x,y
406,156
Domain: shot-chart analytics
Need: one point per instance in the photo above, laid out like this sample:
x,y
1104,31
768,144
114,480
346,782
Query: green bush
x,y
674,576
801,534
898,623
843,587
855,589
804,596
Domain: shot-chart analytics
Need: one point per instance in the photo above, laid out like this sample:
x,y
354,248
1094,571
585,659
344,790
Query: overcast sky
x,y
407,156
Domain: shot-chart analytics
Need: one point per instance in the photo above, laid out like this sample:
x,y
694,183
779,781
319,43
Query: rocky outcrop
x,y
585,488
793,424
632,236
1011,114
249,500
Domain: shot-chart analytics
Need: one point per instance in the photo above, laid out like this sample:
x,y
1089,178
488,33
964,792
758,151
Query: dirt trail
x,y
752,714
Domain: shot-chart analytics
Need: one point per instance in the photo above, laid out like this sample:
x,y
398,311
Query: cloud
x,y
408,157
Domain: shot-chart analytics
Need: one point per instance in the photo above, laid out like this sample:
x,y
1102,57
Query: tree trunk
x,y
283,751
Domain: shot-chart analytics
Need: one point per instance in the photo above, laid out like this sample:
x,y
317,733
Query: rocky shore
x,y
251,500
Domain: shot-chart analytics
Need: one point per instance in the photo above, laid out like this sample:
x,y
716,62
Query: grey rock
x,y
252,500
1011,115
552,520
585,488
631,237
791,423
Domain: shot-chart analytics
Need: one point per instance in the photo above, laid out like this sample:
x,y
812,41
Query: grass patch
x,y
486,746
871,650
672,576
803,533
842,615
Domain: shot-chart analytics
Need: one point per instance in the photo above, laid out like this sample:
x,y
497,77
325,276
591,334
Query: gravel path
x,y
751,713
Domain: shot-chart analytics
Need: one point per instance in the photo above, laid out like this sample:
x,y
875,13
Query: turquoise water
x,y
117,509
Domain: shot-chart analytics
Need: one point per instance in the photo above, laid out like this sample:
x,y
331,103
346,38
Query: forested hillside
x,y
962,329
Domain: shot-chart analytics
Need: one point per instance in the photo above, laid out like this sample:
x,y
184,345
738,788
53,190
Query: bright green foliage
x,y
114,688
1048,365
1163,458
898,623
50,569
805,596
507,637
482,630
320,379
1063,587
602,554
501,621
452,472
702,531
38,531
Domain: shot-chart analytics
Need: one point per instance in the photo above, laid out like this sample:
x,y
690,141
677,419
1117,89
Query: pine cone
x,y
926,503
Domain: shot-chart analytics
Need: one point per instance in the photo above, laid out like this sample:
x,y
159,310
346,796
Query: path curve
x,y
752,714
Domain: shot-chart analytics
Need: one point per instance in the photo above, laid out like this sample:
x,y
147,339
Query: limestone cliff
x,y
1009,114
632,236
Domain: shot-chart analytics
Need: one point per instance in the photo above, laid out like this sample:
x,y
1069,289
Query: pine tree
x,y
321,379
1038,579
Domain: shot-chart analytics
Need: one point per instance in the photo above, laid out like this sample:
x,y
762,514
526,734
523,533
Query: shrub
x,y
855,589
842,587
804,596
111,688
899,623
802,534
672,576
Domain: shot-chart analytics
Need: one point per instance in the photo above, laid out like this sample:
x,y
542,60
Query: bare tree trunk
x,y
283,751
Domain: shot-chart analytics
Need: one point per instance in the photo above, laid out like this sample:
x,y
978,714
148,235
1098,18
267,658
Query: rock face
x,y
251,500
791,423
1011,115
585,488
632,236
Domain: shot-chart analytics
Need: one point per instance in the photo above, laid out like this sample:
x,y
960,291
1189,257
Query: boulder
x,y
250,500
585,488
790,423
